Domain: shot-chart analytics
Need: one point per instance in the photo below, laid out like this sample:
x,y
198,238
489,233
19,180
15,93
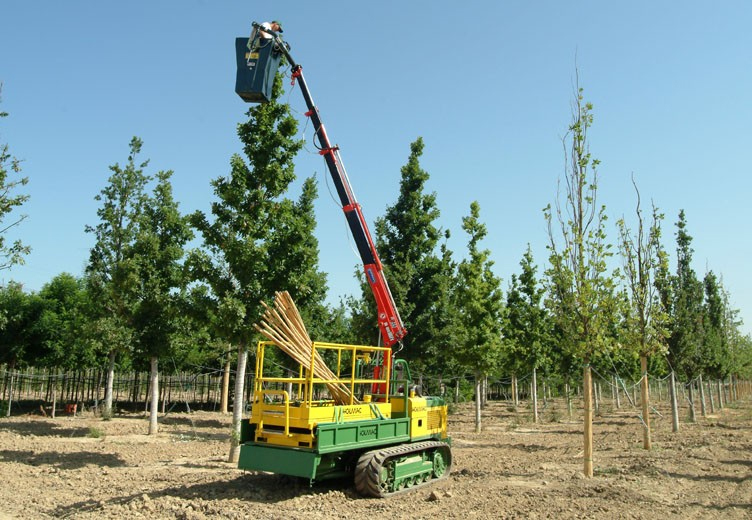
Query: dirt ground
x,y
83,467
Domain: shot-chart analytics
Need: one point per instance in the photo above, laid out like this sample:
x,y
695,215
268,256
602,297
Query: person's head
x,y
276,26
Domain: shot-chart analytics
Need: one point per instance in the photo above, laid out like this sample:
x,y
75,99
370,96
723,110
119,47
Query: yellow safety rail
x,y
306,381
286,398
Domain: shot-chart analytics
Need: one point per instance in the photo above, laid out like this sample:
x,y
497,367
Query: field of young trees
x,y
176,296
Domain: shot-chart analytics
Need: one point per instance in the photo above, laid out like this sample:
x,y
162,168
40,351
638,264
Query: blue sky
x,y
487,84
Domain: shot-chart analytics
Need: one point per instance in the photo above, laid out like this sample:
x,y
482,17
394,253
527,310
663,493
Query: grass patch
x,y
96,433
607,471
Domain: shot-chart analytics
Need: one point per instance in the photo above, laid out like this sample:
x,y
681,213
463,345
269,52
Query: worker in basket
x,y
259,38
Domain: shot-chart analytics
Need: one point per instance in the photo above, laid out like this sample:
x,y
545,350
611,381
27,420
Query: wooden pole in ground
x,y
674,403
587,389
534,390
54,393
645,401
10,396
225,384
478,385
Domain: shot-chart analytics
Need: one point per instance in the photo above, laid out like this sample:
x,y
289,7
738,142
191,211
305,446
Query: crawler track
x,y
376,471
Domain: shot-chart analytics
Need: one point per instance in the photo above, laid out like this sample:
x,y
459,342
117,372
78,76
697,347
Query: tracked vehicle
x,y
386,436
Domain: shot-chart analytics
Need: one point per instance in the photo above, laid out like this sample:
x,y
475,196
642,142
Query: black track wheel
x,y
371,477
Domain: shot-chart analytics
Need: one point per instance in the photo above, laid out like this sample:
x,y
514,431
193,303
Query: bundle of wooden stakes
x,y
283,325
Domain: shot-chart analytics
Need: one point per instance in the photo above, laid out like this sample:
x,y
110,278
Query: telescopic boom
x,y
390,323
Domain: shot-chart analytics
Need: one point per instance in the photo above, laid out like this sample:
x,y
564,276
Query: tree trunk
x,y
96,391
720,395
587,389
617,399
478,398
701,387
165,385
154,384
674,402
54,395
515,398
108,390
569,400
596,393
645,399
10,395
710,397
238,404
225,384
691,397
535,396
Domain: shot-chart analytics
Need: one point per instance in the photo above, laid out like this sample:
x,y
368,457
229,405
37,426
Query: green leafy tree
x,y
715,347
527,327
737,347
20,313
158,250
112,272
580,290
419,271
407,239
685,340
646,319
480,307
11,253
256,242
62,325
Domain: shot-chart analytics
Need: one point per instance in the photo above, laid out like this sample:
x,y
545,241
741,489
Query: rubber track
x,y
368,469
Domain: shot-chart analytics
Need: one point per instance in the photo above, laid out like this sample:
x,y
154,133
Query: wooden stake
x,y
587,388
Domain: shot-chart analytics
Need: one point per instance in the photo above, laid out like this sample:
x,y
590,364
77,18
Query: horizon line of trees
x,y
145,296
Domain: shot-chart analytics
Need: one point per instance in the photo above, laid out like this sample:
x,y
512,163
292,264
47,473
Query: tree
x,y
479,304
62,325
408,243
406,239
20,312
112,273
646,319
158,249
580,291
257,242
10,253
715,347
685,339
527,328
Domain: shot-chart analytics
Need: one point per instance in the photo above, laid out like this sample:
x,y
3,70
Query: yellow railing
x,y
307,382
261,403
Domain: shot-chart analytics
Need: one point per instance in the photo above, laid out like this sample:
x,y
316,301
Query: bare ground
x,y
83,467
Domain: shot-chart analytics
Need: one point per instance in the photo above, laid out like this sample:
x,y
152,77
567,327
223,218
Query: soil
x,y
84,467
